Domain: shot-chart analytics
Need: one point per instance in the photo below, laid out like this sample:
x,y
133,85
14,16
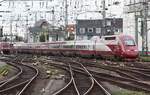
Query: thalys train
x,y
118,46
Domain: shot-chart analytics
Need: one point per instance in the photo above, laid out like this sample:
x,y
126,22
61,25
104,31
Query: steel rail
x,y
105,91
93,81
120,70
62,89
92,85
30,81
91,78
136,86
12,78
25,82
139,82
74,83
116,77
14,86
69,83
66,86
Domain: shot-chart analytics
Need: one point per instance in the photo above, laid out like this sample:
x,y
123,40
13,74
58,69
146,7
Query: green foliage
x,y
42,38
1,32
19,38
69,38
47,37
145,58
4,70
129,93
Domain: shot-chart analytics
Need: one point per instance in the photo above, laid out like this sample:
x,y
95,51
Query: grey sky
x,y
21,11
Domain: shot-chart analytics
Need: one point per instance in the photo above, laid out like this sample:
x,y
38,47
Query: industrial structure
x,y
136,19
74,47
61,13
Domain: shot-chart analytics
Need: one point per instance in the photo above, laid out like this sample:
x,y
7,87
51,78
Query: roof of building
x,y
41,22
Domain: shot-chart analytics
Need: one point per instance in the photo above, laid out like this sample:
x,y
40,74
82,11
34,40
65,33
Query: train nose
x,y
132,53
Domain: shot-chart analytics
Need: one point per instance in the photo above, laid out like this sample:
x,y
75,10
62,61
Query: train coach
x,y
118,46
84,48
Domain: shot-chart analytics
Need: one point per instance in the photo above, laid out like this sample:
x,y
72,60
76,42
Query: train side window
x,y
110,38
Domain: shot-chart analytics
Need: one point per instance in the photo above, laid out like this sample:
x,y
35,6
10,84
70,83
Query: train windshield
x,y
129,42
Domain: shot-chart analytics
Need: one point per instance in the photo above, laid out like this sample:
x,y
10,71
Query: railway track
x,y
18,84
70,88
136,82
98,88
79,84
81,80
122,81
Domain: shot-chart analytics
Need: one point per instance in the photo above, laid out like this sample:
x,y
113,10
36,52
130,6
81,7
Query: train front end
x,y
130,49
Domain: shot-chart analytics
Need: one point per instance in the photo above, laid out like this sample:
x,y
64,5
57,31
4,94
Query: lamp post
x,y
11,34
104,15
66,18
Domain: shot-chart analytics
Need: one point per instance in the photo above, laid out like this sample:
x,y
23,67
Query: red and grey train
x,y
121,46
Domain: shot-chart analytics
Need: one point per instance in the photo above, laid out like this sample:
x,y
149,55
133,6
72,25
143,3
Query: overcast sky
x,y
21,11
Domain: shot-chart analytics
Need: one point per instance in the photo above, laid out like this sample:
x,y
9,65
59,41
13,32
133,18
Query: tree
x,y
19,38
1,32
42,38
44,35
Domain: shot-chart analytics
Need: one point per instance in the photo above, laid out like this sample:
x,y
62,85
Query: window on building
x,y
109,32
82,30
90,30
98,30
108,23
117,31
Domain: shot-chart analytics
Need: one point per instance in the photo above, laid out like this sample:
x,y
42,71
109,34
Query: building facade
x,y
45,32
86,29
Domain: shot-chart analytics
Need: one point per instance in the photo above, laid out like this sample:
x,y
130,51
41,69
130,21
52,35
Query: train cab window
x,y
110,38
129,42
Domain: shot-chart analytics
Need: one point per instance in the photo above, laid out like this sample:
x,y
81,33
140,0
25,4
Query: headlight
x,y
132,50
136,50
128,50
